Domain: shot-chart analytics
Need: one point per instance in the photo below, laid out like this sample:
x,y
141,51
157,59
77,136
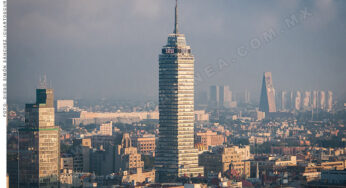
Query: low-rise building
x,y
66,162
70,179
334,177
223,159
81,155
286,160
130,164
146,144
127,157
64,105
201,115
335,165
138,177
106,129
210,138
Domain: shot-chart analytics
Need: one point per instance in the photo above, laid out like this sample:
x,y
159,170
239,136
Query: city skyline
x,y
87,61
257,100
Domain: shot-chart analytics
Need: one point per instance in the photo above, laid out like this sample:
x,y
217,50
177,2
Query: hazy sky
x,y
109,48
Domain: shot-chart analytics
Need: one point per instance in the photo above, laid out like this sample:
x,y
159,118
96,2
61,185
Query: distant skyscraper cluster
x,y
292,100
305,100
220,97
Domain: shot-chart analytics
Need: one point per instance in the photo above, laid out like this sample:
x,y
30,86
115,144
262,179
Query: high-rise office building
x,y
225,96
314,99
214,96
322,101
247,97
283,100
330,101
176,156
267,101
291,100
220,96
39,146
307,99
12,159
297,101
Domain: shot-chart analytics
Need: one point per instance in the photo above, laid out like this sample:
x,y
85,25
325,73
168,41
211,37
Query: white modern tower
x,y
176,156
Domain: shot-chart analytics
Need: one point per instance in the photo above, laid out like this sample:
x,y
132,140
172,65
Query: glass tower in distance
x,y
176,156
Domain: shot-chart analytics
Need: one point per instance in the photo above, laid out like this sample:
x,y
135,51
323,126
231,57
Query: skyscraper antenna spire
x,y
176,18
43,82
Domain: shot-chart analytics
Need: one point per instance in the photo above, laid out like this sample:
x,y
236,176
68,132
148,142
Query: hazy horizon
x,y
109,49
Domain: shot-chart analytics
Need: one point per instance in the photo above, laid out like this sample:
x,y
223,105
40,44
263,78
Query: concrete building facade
x,y
146,145
227,158
106,129
210,138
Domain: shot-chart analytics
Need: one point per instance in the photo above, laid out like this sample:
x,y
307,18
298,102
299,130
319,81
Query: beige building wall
x,y
106,129
210,138
146,145
62,105
230,158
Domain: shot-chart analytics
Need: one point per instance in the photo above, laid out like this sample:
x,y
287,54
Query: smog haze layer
x,y
109,49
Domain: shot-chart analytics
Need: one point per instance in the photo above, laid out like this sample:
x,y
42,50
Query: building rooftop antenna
x,y
43,82
176,18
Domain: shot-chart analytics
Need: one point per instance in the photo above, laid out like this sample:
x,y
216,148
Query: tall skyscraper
x,y
283,100
292,100
222,90
247,97
214,96
176,156
307,99
297,101
330,101
39,146
314,99
322,101
220,96
267,101
225,96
